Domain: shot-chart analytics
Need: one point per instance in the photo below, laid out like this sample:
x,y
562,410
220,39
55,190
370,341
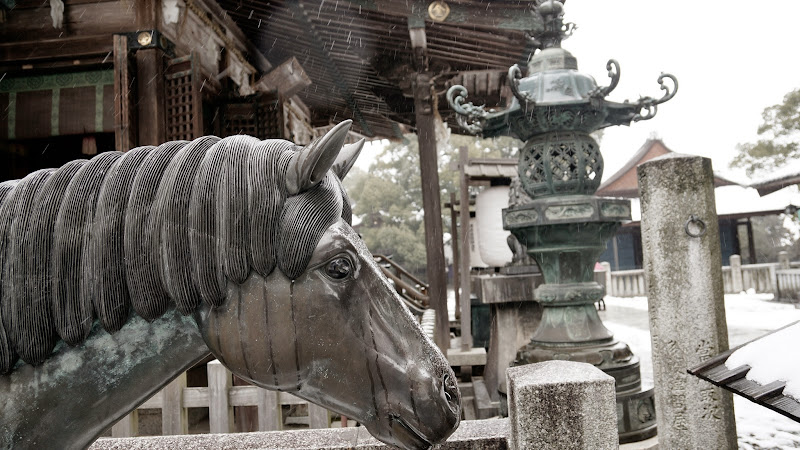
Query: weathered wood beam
x,y
65,48
288,79
124,113
431,204
425,112
332,69
521,17
150,88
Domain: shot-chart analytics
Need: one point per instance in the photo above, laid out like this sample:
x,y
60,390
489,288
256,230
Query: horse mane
x,y
147,228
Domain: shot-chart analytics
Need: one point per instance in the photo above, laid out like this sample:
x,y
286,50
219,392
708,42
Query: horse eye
x,y
339,268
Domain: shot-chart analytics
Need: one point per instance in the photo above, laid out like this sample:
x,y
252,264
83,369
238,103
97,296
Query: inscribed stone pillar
x,y
683,268
561,405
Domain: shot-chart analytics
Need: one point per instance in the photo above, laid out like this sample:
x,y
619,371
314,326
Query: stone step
x,y
484,406
468,407
472,357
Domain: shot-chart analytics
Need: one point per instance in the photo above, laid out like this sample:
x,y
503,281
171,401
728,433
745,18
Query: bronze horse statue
x,y
119,273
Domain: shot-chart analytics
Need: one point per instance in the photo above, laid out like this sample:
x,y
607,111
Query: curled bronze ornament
x,y
468,116
649,106
612,66
514,74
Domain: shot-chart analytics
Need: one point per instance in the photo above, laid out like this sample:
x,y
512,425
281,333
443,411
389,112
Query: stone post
x,y
607,268
783,260
683,268
561,405
736,274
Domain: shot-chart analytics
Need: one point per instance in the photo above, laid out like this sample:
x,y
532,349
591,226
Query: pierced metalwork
x,y
648,106
514,75
468,116
560,163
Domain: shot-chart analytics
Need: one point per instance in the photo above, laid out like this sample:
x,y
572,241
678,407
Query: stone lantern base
x,y
566,235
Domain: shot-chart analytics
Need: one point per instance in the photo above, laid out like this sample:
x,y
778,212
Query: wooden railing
x,y
768,278
220,397
413,290
788,285
627,283
760,277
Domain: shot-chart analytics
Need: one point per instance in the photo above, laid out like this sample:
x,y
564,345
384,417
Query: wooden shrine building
x,y
736,205
79,77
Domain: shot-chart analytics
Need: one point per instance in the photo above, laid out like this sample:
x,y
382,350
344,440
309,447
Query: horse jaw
x,y
346,344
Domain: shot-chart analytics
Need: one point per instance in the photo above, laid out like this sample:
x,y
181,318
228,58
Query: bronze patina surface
x,y
121,272
563,226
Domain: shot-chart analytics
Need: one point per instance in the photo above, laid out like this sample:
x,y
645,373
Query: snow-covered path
x,y
749,316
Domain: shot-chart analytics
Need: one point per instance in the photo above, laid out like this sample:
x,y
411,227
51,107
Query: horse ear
x,y
347,157
309,166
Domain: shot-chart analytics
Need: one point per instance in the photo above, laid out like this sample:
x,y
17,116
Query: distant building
x,y
736,205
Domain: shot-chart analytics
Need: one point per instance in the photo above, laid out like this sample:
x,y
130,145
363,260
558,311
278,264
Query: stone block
x,y
472,434
507,288
471,357
561,405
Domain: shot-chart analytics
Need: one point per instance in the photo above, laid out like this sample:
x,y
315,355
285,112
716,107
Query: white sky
x,y
732,59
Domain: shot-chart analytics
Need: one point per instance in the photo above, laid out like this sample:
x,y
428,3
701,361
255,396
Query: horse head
x,y
344,339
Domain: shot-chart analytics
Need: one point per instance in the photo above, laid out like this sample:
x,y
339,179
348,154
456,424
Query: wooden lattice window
x,y
258,115
183,100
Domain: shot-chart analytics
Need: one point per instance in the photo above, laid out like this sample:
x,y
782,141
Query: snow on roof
x,y
788,171
772,358
732,200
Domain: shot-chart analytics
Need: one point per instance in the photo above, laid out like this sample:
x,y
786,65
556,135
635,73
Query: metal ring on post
x,y
699,223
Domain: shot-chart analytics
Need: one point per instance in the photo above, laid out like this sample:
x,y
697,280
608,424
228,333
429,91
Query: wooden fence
x,y
220,397
769,278
788,285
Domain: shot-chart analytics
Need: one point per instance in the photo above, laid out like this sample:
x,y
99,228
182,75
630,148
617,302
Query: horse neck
x,y
80,391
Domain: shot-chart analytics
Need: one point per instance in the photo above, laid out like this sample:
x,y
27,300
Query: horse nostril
x,y
450,390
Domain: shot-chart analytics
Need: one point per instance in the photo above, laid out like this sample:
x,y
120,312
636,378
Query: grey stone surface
x,y
685,301
507,288
472,434
561,405
513,325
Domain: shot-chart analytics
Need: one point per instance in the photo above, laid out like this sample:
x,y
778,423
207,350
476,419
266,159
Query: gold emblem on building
x,y
144,38
438,11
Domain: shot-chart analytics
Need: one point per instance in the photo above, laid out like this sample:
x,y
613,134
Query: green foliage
x,y
388,197
778,144
771,236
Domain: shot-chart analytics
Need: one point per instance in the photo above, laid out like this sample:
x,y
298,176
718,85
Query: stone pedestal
x,y
683,270
515,316
561,405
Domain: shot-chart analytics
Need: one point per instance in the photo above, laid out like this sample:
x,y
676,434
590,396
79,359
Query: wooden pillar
x,y
269,411
431,203
220,413
150,87
424,110
125,133
751,246
173,415
150,78
128,426
454,243
466,304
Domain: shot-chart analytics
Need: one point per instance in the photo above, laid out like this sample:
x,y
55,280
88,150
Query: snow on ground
x,y
749,316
